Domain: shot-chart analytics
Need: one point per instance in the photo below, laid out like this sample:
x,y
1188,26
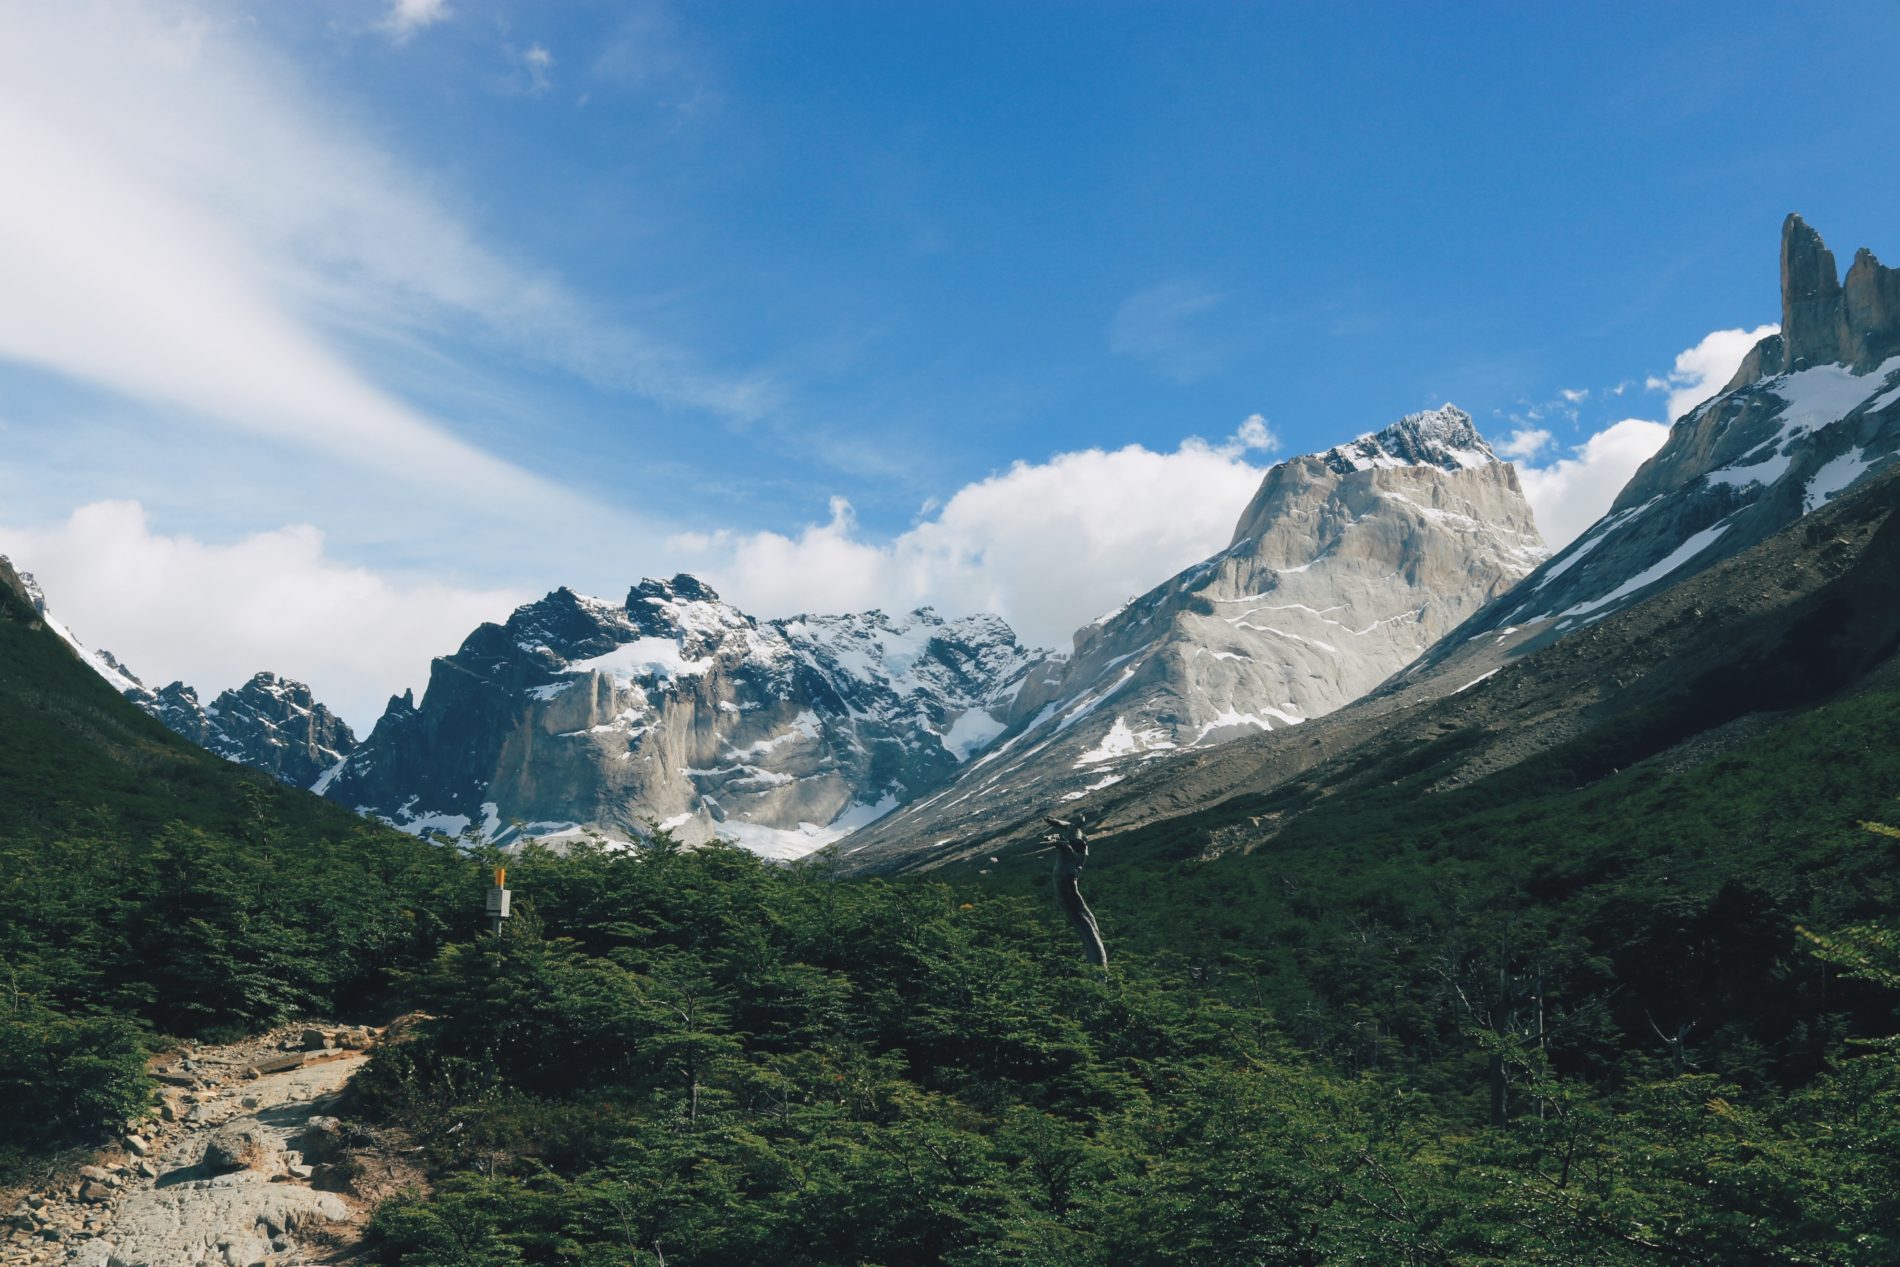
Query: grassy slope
x,y
74,755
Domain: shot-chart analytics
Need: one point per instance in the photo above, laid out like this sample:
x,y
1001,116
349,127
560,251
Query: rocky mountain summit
x,y
1813,411
1342,569
270,723
1806,616
675,708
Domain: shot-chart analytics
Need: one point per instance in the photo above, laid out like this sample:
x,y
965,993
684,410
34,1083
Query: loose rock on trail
x,y
242,1165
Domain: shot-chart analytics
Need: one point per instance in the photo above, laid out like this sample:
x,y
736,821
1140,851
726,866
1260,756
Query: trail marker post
x,y
498,901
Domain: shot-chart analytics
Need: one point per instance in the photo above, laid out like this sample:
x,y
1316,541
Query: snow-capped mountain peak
x,y
1345,565
676,708
1444,437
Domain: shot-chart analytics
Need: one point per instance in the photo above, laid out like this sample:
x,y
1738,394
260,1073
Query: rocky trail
x,y
243,1163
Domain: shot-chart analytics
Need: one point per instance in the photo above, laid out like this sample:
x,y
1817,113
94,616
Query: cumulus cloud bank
x,y
1046,545
1573,492
177,608
1701,371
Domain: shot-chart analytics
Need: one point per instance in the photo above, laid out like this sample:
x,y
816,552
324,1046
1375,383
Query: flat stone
x,y
277,1064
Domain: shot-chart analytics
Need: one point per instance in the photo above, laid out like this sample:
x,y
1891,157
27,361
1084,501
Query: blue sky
x,y
414,309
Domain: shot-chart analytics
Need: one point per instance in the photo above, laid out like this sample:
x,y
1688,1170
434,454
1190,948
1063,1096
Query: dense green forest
x,y
1585,1026
1639,1021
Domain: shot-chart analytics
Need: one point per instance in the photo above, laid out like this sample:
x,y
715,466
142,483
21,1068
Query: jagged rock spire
x,y
1810,297
1823,320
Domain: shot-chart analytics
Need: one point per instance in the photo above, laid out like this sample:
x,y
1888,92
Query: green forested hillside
x,y
149,888
1570,1027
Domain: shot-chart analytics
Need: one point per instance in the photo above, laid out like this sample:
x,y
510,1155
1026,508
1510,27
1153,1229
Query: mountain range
x,y
269,723
674,708
1722,589
1397,576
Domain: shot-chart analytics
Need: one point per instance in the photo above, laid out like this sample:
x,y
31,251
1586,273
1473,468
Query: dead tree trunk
x,y
1072,851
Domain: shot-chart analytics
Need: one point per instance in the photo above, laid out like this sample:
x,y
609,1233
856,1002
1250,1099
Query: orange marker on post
x,y
498,901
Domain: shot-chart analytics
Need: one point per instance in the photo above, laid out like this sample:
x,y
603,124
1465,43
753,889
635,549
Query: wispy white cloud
x,y
1701,371
1047,545
1158,327
406,17
113,279
1573,492
175,607
533,74
202,231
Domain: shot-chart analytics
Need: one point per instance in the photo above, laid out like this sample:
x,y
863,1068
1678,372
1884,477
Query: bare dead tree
x,y
1072,851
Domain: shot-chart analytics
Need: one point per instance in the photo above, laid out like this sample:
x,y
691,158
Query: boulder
x,y
336,1176
324,1140
242,1146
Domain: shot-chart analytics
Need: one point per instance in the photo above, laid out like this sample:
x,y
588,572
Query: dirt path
x,y
237,1170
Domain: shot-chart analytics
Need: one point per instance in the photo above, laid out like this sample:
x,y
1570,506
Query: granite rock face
x,y
1813,412
676,709
1718,660
1344,567
270,723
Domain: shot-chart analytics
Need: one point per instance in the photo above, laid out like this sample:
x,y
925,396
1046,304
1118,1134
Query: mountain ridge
x,y
1344,566
1782,439
270,723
